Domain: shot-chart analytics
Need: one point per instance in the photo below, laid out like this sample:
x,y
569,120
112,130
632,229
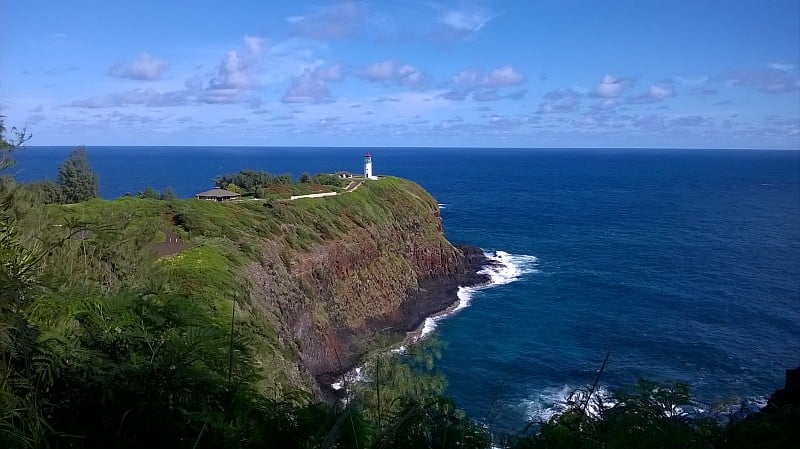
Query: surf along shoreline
x,y
434,300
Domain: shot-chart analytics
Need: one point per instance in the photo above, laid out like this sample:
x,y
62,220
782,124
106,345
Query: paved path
x,y
350,188
353,185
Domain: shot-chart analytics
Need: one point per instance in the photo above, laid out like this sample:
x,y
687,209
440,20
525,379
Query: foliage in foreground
x,y
11,143
651,415
91,357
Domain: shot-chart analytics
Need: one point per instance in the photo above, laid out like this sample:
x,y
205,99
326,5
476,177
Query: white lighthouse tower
x,y
368,167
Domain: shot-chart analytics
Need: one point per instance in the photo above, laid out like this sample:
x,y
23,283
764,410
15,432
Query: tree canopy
x,y
10,143
77,179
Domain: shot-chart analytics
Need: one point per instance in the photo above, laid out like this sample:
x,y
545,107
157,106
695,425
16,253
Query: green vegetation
x,y
76,182
159,360
261,184
10,144
150,193
327,179
76,178
650,415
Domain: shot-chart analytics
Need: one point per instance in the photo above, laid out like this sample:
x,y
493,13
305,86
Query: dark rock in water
x,y
437,294
789,395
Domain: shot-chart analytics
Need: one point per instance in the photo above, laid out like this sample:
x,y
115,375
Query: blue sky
x,y
533,73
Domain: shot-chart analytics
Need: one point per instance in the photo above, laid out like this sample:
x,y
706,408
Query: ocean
x,y
681,264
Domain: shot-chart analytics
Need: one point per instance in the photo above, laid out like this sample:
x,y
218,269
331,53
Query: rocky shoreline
x,y
434,297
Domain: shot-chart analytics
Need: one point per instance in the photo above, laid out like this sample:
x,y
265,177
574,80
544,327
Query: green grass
x,y
225,237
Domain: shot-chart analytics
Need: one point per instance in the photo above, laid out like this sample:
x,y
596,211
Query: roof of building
x,y
367,155
218,193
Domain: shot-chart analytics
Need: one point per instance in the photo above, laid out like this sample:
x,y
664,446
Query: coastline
x,y
435,298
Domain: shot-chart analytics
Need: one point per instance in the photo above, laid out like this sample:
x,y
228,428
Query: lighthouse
x,y
368,167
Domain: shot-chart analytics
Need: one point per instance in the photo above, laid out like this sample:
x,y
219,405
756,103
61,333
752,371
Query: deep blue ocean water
x,y
683,264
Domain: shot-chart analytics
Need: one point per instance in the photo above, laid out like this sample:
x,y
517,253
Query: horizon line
x,y
340,147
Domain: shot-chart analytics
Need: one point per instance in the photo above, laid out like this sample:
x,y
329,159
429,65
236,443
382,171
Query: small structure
x,y
368,167
313,195
217,195
344,174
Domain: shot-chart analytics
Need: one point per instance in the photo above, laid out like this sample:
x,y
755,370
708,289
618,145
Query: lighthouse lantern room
x,y
368,167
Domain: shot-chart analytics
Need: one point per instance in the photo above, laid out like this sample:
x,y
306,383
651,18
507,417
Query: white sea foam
x,y
428,326
441,205
503,268
352,376
507,267
546,403
551,401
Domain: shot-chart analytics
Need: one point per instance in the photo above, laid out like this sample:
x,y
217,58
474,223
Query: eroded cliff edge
x,y
329,278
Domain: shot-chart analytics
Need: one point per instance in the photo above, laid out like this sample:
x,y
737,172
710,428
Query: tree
x,y
78,181
169,194
10,144
47,192
233,188
149,193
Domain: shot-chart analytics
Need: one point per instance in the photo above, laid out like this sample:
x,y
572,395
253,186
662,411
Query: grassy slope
x,y
228,239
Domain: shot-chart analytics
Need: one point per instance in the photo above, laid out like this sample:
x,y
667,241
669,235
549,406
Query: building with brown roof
x,y
217,195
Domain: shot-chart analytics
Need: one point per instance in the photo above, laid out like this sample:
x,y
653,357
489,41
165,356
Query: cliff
x,y
326,279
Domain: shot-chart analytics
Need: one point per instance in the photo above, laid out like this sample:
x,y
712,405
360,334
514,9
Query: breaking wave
x,y
502,268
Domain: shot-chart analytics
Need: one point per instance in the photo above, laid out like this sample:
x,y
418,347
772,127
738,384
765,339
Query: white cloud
x,y
501,77
656,93
235,82
693,120
234,73
391,72
329,73
379,71
234,79
661,91
608,103
409,75
145,68
468,82
255,45
560,100
467,78
782,67
220,95
610,87
504,76
764,79
146,97
311,86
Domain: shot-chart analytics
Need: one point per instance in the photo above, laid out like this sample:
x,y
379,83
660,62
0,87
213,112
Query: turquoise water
x,y
682,264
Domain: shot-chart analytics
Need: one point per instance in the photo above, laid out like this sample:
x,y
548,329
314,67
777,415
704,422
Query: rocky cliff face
x,y
374,271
